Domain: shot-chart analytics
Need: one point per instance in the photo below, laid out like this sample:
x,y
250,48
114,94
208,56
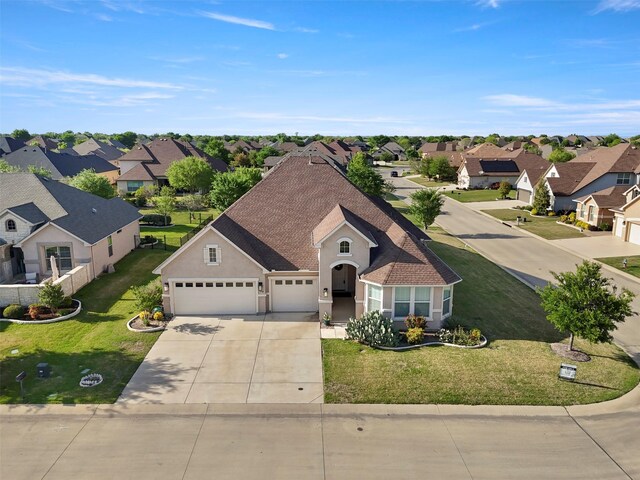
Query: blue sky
x,y
336,68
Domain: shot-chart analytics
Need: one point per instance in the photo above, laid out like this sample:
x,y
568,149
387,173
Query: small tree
x,y
52,296
38,170
542,199
6,167
426,205
165,203
190,174
585,304
228,187
560,155
215,148
89,181
504,189
148,296
441,168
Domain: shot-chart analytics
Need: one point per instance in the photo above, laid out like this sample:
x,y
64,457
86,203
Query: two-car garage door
x,y
202,297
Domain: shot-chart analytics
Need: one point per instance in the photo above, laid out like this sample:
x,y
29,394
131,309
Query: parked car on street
x,y
394,173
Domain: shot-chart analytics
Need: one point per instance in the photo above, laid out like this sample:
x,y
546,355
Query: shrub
x,y
533,211
372,328
551,214
605,227
37,309
144,316
459,336
564,218
415,335
527,208
191,202
52,296
158,316
148,296
67,302
572,217
14,311
155,219
413,321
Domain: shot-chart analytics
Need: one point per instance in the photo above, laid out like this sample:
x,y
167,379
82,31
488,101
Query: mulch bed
x,y
562,349
139,324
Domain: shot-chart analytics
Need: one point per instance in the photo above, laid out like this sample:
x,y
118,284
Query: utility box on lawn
x,y
44,370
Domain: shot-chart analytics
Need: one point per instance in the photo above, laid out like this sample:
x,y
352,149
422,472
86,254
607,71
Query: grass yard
x,y
425,182
181,225
466,196
633,264
545,227
516,368
96,339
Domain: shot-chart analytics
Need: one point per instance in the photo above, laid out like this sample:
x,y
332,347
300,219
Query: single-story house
x,y
480,172
41,218
305,239
102,149
595,208
145,165
626,219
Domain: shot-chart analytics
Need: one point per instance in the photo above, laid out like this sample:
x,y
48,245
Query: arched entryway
x,y
343,287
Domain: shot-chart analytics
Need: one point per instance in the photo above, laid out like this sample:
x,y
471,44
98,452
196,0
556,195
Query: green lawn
x,y
181,225
633,264
466,196
96,339
546,227
517,367
425,182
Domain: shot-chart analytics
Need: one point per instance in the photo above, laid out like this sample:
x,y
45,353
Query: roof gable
x,y
335,219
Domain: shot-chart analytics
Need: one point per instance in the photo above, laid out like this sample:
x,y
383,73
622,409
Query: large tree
x,y
216,149
21,134
560,155
128,139
426,205
585,304
228,187
441,168
365,177
89,181
190,174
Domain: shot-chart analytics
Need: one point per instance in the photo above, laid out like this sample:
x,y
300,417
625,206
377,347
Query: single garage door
x,y
206,297
524,195
634,234
294,295
619,228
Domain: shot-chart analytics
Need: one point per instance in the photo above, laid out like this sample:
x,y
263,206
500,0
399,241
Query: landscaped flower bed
x,y
37,313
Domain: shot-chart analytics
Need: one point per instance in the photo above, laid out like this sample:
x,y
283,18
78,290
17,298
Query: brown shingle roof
x,y
570,175
336,217
618,159
486,150
274,222
612,197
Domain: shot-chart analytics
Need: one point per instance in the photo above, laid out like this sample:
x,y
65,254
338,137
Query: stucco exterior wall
x,y
567,203
123,243
23,229
49,235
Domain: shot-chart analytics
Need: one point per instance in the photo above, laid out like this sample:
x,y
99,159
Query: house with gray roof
x,y
9,144
41,218
61,165
322,245
101,149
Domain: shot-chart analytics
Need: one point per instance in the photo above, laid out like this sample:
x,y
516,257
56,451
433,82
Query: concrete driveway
x,y
274,358
598,246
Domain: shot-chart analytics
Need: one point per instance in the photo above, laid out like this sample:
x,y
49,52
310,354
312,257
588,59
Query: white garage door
x,y
206,297
294,295
619,228
634,234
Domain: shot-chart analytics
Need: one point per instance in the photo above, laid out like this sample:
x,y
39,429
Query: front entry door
x,y
339,279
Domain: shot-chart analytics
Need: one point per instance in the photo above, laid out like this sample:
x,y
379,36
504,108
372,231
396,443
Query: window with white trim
x,y
344,246
591,213
374,298
411,300
62,256
110,246
10,225
446,301
212,255
623,179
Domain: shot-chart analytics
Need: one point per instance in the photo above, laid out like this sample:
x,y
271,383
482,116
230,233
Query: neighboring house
x,y
146,165
510,147
480,172
101,149
61,165
626,218
393,148
595,208
596,170
9,144
44,218
44,142
528,179
271,162
442,149
324,246
340,157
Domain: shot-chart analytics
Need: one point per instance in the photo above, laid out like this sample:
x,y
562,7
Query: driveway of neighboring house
x,y
273,358
598,246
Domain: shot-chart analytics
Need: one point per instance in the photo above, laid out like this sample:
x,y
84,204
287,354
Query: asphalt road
x,y
528,258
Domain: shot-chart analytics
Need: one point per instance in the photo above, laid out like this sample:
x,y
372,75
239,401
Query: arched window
x,y
345,247
11,225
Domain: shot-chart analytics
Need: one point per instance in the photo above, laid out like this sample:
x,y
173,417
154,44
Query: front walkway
x,y
273,358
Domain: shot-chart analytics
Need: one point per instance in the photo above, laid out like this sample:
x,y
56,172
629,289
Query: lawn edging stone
x,y
482,344
50,320
143,330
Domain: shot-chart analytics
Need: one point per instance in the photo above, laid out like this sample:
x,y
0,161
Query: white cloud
x,y
471,28
282,56
247,22
305,30
104,18
511,100
25,77
488,3
178,60
617,5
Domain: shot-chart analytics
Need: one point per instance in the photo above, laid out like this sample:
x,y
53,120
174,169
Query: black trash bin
x,y
44,370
